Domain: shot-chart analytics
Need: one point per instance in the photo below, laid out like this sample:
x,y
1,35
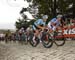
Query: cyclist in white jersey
x,y
55,23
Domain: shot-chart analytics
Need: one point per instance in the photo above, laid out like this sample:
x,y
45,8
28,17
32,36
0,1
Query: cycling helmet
x,y
45,17
59,16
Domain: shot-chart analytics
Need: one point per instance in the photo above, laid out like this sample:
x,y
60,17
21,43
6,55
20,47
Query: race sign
x,y
69,31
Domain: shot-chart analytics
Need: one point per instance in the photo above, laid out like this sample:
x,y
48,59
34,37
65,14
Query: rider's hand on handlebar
x,y
43,28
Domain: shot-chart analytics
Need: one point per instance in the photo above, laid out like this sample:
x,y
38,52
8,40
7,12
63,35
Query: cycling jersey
x,y
38,22
54,20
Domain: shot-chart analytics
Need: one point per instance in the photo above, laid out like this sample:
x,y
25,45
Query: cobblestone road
x,y
14,51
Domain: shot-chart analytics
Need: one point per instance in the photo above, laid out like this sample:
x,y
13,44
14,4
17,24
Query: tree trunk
x,y
54,9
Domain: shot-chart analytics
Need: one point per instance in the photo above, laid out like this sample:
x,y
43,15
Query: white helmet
x,y
59,16
45,17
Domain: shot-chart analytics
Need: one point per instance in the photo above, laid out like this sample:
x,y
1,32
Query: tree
x,y
48,7
24,21
52,7
73,8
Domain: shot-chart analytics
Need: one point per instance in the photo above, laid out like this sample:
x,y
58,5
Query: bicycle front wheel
x,y
59,41
32,42
46,40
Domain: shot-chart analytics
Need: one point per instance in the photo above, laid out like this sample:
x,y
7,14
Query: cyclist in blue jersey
x,y
39,25
55,23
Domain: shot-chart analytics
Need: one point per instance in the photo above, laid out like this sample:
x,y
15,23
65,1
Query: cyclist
x,y
39,24
21,31
29,29
55,23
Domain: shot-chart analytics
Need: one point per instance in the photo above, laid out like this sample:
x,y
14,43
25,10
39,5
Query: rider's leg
x,y
54,28
36,33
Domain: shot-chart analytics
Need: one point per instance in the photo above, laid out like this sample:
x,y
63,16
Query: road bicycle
x,y
59,37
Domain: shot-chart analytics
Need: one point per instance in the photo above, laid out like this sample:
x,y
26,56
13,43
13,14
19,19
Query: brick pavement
x,y
13,51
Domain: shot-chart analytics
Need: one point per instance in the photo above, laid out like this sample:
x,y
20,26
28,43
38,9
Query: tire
x,y
59,41
32,42
47,43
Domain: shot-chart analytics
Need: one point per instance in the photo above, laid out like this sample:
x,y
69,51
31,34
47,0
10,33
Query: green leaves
x,y
23,23
49,7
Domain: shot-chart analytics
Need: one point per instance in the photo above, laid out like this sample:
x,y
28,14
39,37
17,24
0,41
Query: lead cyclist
x,y
55,23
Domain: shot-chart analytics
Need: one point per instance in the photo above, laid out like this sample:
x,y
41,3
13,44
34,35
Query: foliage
x,y
23,23
49,7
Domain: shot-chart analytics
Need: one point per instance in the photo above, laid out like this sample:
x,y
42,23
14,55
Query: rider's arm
x,y
38,23
53,24
40,27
